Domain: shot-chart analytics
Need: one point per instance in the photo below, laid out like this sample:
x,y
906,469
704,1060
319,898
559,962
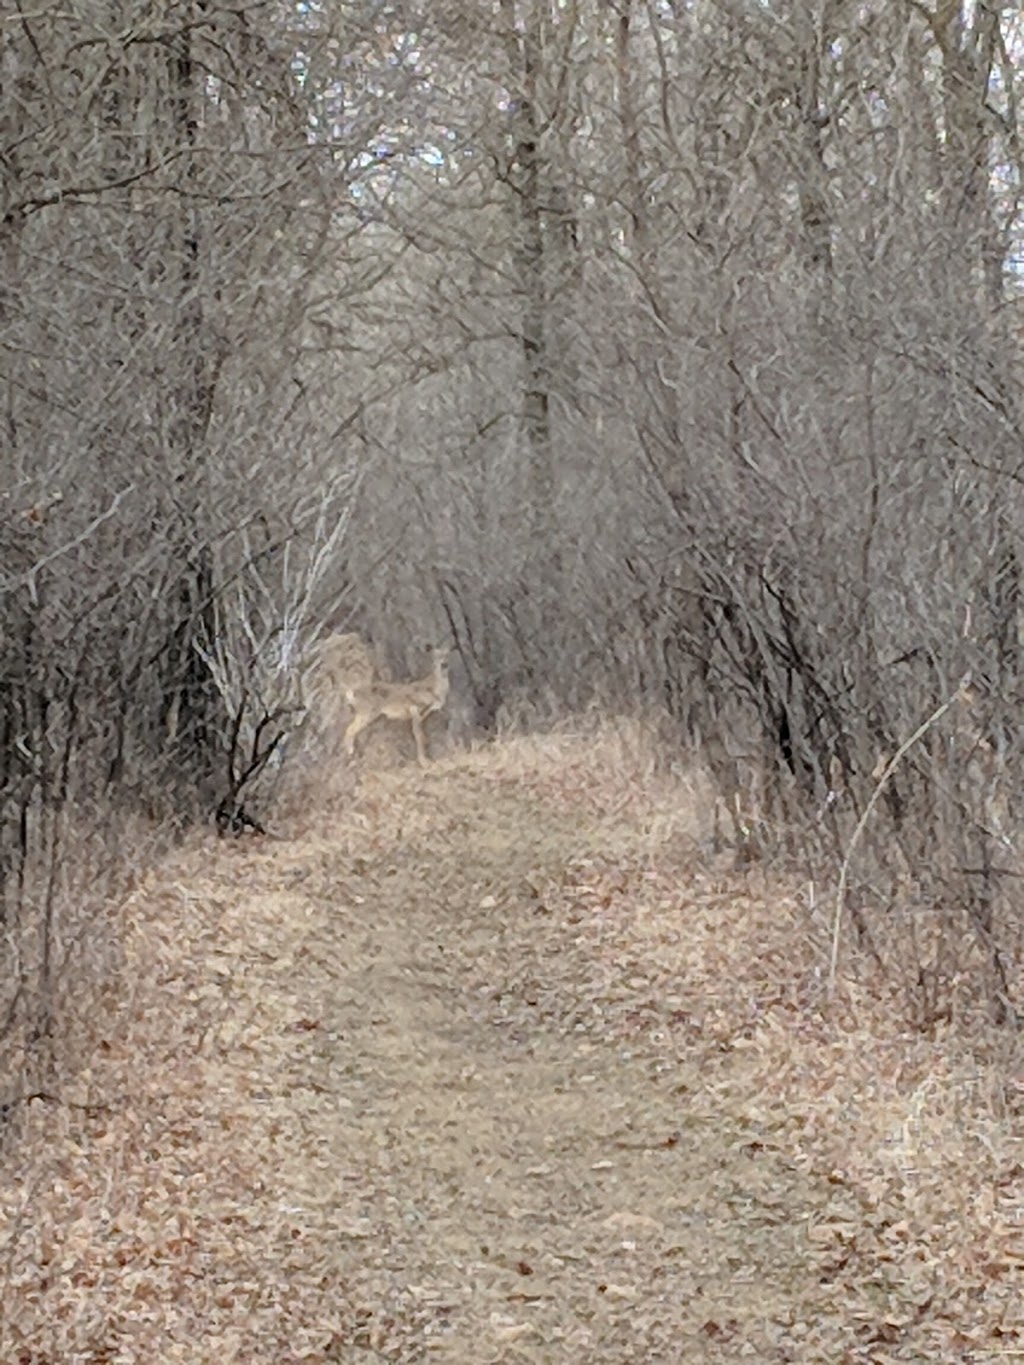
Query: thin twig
x,y
29,577
887,772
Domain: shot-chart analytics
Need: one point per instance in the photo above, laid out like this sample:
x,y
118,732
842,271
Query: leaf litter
x,y
500,1064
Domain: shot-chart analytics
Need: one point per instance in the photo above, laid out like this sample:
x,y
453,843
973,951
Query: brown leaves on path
x,y
500,1066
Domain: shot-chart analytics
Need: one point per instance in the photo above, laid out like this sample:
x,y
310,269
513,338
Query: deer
x,y
409,701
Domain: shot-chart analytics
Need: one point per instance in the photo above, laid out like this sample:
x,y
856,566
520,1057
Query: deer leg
x,y
356,726
417,730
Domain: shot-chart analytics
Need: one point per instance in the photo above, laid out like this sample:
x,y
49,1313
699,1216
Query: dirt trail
x,y
444,1079
520,1185
515,1185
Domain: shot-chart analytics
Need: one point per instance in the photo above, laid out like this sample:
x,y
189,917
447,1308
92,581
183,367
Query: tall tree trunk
x,y
525,177
629,123
191,709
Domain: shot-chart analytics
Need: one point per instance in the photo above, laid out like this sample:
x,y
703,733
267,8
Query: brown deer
x,y
408,701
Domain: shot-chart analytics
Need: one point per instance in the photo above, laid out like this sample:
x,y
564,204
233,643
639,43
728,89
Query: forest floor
x,y
499,1064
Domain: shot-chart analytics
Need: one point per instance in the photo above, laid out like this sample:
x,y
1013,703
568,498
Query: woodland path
x,y
444,1077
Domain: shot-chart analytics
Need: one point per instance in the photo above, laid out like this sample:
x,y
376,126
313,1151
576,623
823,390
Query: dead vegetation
x,y
664,358
500,1063
660,359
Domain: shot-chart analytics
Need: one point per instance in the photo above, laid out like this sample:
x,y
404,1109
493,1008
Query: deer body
x,y
410,701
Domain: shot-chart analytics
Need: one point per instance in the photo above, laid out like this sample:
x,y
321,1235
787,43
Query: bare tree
x,y
661,354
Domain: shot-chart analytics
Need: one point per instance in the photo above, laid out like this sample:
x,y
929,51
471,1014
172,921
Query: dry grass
x,y
62,944
499,1063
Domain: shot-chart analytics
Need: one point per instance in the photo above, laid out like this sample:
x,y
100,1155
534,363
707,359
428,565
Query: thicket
x,y
662,355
